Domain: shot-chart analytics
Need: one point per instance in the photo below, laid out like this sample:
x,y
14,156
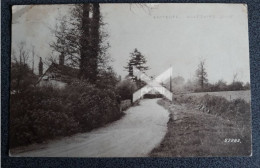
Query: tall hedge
x,y
43,113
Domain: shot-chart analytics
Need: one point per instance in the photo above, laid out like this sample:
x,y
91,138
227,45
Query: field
x,y
229,95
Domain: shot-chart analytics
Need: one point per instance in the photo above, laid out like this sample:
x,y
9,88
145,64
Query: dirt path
x,y
136,134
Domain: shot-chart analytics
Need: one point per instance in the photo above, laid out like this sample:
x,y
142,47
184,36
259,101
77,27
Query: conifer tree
x,y
202,75
138,60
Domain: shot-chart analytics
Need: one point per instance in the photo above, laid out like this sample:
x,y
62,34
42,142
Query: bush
x,y
38,114
222,86
125,89
22,77
44,113
237,110
92,107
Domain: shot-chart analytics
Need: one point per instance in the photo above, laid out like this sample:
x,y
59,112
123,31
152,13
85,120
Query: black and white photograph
x,y
130,80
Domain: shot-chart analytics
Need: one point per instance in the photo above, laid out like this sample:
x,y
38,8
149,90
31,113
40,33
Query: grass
x,y
229,95
192,133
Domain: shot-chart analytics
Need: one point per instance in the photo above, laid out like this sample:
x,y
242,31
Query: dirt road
x,y
135,135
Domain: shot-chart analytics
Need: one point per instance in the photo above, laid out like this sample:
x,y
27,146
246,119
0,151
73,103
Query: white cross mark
x,y
152,84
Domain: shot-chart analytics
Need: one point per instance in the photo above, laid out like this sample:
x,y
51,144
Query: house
x,y
57,75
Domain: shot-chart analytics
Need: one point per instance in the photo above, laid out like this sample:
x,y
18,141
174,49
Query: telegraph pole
x,y
171,80
33,58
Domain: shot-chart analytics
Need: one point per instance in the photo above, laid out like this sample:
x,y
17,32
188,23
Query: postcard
x,y
130,80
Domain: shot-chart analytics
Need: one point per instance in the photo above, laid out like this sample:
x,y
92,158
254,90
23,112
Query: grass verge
x,y
195,132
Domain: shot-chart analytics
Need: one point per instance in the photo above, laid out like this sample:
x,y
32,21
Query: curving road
x,y
135,135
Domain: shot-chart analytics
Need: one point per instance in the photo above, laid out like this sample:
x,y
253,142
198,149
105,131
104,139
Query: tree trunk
x,y
95,40
85,43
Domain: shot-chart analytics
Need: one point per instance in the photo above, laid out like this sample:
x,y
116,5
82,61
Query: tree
x,y
22,76
237,85
235,77
126,88
221,85
23,54
138,60
201,75
87,71
107,79
81,40
94,45
247,86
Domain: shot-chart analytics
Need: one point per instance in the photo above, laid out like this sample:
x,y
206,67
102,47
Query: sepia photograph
x,y
130,80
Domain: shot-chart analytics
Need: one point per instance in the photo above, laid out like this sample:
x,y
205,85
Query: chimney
x,y
40,67
61,59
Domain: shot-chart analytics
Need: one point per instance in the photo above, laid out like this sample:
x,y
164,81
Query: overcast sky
x,y
177,35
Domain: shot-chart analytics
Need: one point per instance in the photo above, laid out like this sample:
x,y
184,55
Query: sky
x,y
177,35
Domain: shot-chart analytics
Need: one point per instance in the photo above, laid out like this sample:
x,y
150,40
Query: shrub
x,y
38,114
91,107
126,88
237,110
22,77
44,113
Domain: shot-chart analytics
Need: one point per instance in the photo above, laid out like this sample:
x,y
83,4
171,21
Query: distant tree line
x,y
200,83
204,85
223,86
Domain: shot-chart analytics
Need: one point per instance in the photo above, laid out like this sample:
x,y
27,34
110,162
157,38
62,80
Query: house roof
x,y
63,70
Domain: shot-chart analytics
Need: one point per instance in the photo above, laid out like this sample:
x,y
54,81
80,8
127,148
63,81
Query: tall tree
x,y
202,75
138,60
66,44
92,61
85,57
81,38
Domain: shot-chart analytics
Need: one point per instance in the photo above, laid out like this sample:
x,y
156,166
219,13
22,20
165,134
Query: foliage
x,y
223,86
22,77
43,113
107,78
81,40
126,88
188,127
138,60
202,75
237,109
91,106
237,85
38,114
